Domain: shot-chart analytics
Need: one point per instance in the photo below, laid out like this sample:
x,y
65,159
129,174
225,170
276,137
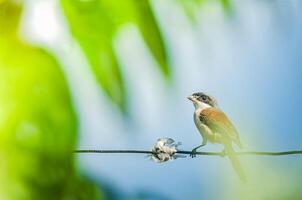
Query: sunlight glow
x,y
43,22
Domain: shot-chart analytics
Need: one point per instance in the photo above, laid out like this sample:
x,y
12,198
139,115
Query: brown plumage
x,y
225,133
214,126
219,123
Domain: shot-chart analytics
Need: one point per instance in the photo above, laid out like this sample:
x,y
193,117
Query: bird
x,y
215,127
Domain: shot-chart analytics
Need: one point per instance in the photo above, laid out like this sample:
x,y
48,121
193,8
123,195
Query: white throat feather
x,y
201,105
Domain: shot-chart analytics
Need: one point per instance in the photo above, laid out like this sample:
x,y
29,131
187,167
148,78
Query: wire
x,y
244,153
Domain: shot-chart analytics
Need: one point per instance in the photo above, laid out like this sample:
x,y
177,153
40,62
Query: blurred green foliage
x,y
94,24
190,6
37,122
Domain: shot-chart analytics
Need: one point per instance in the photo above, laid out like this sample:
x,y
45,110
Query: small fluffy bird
x,y
215,127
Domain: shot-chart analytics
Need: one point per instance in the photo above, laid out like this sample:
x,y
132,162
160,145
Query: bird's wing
x,y
217,121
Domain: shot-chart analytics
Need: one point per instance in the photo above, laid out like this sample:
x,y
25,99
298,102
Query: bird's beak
x,y
191,98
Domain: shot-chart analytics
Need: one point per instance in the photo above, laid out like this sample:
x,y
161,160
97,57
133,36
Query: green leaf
x,y
190,5
93,28
37,123
227,7
9,18
140,13
94,24
150,31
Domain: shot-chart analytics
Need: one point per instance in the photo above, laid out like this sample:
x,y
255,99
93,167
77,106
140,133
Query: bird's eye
x,y
204,98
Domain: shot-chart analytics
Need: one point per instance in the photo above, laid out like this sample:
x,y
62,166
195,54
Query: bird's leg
x,y
193,153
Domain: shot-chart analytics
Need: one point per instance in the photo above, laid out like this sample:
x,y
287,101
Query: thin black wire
x,y
258,153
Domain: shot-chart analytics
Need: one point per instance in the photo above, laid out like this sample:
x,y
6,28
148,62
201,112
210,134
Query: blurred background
x,y
109,74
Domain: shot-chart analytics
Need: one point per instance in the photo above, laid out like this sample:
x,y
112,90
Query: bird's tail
x,y
235,162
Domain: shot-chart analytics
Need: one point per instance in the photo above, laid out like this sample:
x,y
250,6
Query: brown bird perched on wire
x,y
215,127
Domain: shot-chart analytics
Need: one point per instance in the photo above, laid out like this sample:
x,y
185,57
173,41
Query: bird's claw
x,y
193,153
